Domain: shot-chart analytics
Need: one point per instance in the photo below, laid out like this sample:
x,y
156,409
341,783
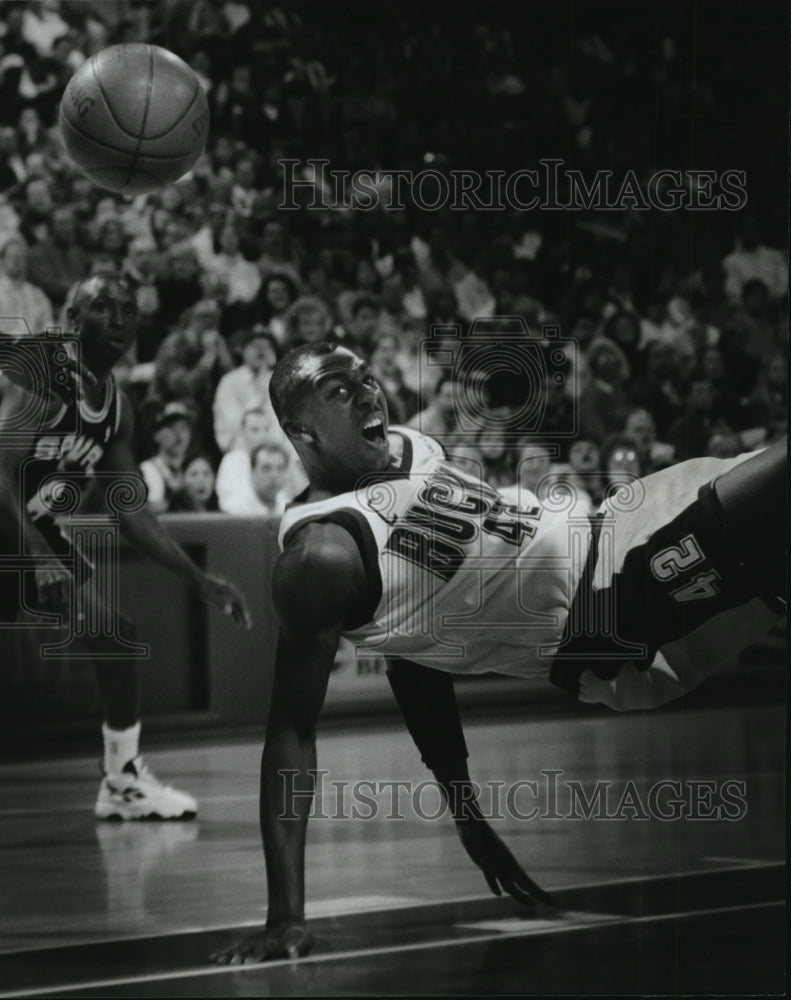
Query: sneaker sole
x,y
152,817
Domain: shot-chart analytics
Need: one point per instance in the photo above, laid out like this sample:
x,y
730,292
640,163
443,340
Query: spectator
x,y
237,109
364,326
18,297
724,443
235,475
112,240
242,275
750,260
690,433
401,401
164,473
274,300
309,322
751,335
12,167
620,461
179,285
245,387
206,238
36,211
660,389
270,465
623,329
59,261
438,419
197,495
276,253
768,402
603,400
653,454
585,465
190,364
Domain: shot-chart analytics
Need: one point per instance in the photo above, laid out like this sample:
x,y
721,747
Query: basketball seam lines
x,y
149,88
178,121
107,103
125,152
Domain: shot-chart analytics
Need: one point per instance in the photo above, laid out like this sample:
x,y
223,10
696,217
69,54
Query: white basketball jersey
x,y
460,579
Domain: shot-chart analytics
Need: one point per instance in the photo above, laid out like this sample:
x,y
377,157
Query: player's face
x,y
345,412
105,315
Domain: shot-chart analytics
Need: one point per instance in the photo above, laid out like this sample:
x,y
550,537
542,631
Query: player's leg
x,y
128,790
750,504
693,575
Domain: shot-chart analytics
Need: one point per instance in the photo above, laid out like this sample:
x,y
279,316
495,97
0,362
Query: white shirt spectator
x,y
245,388
18,297
162,481
234,486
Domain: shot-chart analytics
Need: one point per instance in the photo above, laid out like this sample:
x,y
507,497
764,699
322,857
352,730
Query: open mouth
x,y
374,429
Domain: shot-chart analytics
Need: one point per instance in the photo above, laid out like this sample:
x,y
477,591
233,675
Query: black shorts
x,y
658,594
18,591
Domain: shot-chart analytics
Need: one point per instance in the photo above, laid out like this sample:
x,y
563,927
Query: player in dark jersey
x,y
63,423
702,559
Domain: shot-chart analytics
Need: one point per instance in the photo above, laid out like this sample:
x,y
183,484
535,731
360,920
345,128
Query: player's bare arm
x,y
317,583
53,375
145,533
53,579
427,701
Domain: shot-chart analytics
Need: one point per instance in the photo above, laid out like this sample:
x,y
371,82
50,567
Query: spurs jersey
x,y
458,578
72,443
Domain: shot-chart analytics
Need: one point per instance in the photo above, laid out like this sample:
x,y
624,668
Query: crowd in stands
x,y
674,324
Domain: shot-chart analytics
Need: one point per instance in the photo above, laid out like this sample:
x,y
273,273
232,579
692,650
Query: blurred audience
x,y
164,472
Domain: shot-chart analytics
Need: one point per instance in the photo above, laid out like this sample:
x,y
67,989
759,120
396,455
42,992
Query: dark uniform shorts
x,y
663,601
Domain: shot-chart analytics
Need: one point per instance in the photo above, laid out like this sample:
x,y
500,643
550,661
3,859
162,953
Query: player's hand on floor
x,y
227,598
284,940
501,869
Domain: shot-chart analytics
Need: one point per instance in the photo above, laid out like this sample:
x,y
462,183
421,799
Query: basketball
x,y
134,118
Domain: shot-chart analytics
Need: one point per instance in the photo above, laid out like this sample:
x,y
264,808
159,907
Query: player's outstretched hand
x,y
223,595
54,586
501,869
43,367
285,940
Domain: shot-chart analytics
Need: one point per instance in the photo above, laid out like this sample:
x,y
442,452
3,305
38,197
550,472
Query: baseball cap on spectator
x,y
171,412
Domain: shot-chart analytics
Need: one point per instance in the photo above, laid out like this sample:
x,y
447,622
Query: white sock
x,y
120,746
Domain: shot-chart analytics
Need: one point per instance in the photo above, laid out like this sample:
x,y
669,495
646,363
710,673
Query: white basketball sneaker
x,y
136,794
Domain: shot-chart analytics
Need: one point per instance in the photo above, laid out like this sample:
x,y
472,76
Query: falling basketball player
x,y
85,430
403,554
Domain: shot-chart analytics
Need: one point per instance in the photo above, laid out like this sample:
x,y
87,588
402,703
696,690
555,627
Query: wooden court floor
x,y
672,884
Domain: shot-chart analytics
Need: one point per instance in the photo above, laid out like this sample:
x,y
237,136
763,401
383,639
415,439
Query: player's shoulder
x,y
321,546
319,568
